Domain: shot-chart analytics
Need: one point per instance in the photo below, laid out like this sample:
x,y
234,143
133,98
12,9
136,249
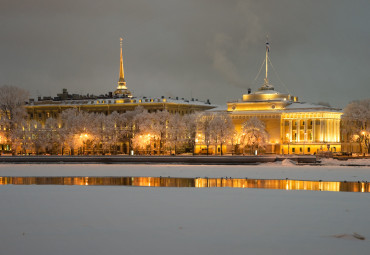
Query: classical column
x,y
338,130
290,130
298,129
305,130
314,130
327,131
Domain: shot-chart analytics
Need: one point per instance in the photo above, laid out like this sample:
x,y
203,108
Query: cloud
x,y
218,50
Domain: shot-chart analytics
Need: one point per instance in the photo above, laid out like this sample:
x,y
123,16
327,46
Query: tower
x,y
266,85
122,90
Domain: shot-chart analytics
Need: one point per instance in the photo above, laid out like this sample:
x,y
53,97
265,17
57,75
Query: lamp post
x,y
84,138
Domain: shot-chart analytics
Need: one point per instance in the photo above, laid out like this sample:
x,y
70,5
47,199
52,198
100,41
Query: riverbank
x,y
122,159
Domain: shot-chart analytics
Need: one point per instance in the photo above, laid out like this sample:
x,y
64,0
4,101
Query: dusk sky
x,y
187,48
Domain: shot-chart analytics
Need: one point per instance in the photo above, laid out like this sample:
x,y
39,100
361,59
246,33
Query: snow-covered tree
x,y
254,134
356,123
190,131
140,128
222,129
205,128
51,131
12,112
77,130
113,130
133,123
21,140
159,128
176,132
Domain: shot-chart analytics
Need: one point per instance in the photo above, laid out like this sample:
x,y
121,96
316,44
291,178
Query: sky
x,y
205,49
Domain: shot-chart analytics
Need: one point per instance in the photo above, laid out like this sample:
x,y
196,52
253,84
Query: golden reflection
x,y
190,182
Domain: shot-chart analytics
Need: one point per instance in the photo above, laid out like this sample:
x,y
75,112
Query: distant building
x,y
293,127
121,100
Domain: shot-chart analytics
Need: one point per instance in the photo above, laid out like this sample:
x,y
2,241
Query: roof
x,y
120,101
303,106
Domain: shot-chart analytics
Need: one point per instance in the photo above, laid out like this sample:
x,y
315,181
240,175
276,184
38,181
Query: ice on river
x,y
141,220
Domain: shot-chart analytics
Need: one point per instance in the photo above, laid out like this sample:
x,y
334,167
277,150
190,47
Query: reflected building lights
x,y
190,182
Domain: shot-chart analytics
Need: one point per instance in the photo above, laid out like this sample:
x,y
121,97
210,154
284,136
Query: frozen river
x,y
84,219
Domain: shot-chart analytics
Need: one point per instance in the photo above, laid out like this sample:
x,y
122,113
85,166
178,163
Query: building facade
x,y
293,127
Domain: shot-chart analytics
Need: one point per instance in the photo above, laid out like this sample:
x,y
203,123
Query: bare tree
x,y
12,112
77,129
204,124
356,123
176,131
190,131
222,129
51,131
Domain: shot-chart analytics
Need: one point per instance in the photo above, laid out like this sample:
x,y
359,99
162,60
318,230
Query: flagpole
x,y
267,57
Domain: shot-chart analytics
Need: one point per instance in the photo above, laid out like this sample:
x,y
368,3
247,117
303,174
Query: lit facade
x,y
293,127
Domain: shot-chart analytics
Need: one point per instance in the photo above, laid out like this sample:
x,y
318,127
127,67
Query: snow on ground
x,y
140,220
349,162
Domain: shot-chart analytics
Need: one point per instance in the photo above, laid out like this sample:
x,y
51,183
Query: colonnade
x,y
321,130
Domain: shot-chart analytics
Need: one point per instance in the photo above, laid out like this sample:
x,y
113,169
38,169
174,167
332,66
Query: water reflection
x,y
190,182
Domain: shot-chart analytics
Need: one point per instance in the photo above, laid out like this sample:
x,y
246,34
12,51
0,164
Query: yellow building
x,y
293,127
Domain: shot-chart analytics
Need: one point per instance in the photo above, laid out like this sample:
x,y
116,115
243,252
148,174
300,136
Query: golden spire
x,y
122,90
121,72
121,81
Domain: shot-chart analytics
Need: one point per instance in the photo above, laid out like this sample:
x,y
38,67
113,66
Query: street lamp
x,y
84,138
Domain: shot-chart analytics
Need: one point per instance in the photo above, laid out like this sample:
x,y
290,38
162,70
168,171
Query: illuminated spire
x,y
121,81
122,90
121,72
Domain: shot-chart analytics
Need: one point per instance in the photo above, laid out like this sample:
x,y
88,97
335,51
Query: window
x,y
308,149
293,150
300,149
